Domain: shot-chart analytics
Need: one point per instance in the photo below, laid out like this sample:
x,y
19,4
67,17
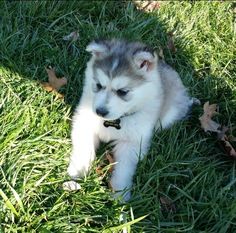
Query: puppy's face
x,y
119,73
114,98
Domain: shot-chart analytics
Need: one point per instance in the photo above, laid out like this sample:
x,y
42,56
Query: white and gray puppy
x,y
128,93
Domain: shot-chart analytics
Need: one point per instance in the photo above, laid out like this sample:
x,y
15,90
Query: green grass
x,y
184,163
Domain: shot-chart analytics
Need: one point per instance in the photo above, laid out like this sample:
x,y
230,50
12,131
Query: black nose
x,y
102,111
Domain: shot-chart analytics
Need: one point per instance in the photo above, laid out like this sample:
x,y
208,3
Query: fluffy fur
x,y
124,81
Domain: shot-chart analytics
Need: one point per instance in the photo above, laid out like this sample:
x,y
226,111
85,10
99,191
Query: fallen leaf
x,y
229,148
99,170
71,186
73,36
209,125
106,160
225,141
47,87
147,6
170,42
110,160
206,122
53,81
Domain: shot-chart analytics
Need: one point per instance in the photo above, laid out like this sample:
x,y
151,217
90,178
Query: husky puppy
x,y
128,93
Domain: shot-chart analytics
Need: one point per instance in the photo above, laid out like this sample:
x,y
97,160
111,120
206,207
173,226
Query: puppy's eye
x,y
99,86
122,92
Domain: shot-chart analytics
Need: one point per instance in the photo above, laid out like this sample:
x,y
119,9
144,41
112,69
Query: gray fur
x,y
119,59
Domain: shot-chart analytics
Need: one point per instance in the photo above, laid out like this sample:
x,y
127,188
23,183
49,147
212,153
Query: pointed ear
x,y
98,48
144,60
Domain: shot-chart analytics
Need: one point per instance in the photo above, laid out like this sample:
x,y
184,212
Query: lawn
x,y
187,182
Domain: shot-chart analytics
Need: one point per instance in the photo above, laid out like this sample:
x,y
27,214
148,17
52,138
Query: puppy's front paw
x,y
77,170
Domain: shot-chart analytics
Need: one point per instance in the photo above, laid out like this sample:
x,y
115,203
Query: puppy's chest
x,y
107,131
131,129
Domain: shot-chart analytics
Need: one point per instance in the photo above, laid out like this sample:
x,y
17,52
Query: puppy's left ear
x,y
144,60
98,48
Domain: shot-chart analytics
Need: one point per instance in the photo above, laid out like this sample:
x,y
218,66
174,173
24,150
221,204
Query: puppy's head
x,y
120,74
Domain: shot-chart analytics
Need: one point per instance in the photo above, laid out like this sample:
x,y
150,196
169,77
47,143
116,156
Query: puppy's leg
x,y
84,144
126,155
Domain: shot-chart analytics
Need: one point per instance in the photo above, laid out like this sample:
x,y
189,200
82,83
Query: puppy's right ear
x,y
98,48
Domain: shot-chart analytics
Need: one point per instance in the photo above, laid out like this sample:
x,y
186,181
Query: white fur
x,y
151,107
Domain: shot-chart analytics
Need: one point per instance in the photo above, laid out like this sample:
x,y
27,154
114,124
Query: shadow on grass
x,y
32,37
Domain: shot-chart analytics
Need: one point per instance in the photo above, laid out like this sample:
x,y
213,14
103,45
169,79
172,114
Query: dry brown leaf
x,y
99,170
147,6
209,125
206,122
229,148
225,141
108,158
49,88
54,82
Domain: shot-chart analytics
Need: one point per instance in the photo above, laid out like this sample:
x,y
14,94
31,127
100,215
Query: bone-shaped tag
x,y
115,124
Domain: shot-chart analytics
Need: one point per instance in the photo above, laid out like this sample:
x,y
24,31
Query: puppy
x,y
128,94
